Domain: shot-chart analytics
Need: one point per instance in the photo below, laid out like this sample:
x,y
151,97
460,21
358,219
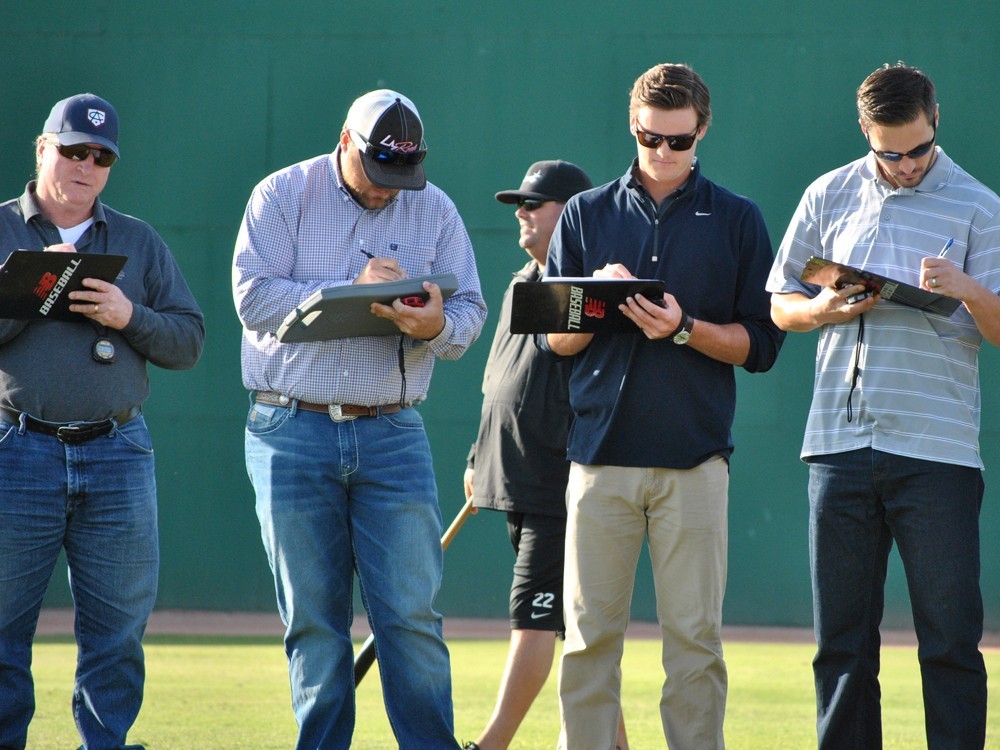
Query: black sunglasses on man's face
x,y
674,142
913,153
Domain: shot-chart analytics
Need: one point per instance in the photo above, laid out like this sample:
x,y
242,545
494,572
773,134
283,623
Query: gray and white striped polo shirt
x,y
918,393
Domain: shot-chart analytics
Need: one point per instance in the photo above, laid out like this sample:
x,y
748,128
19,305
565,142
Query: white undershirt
x,y
72,234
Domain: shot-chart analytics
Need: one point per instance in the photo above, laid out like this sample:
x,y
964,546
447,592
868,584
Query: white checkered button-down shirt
x,y
303,232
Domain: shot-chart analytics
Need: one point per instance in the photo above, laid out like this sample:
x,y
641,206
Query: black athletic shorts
x,y
536,601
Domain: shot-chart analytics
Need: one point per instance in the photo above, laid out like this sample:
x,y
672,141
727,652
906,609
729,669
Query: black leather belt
x,y
72,433
337,412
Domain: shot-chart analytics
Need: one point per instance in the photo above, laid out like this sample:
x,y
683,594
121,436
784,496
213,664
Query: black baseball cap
x,y
84,118
387,130
549,181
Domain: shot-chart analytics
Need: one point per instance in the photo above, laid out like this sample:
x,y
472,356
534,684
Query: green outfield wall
x,y
214,96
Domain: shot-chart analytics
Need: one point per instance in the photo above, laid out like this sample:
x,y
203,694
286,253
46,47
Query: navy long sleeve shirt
x,y
638,402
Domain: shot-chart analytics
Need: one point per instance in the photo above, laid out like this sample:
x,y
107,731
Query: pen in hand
x,y
383,269
947,246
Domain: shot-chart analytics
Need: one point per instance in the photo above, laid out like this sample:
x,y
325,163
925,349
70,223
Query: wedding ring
x,y
934,282
97,309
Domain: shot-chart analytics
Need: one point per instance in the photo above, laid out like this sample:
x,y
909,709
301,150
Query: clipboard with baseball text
x,y
345,311
837,276
35,285
578,305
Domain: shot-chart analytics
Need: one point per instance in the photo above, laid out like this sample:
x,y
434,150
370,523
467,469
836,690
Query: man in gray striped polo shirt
x,y
892,438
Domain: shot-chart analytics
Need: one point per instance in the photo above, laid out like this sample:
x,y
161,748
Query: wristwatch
x,y
683,333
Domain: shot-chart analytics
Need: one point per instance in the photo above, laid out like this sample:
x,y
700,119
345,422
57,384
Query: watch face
x,y
104,351
682,337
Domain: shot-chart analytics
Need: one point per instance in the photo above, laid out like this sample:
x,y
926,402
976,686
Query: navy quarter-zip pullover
x,y
638,402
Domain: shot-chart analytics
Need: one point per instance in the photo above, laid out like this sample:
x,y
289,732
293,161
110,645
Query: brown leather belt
x,y
337,412
72,433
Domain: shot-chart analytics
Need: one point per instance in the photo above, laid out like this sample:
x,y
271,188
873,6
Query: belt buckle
x,y
337,415
75,434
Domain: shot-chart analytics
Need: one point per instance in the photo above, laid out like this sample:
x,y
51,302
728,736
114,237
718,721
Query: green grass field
x,y
232,693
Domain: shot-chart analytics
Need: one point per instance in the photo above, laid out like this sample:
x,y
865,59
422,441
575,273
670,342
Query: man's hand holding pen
x,y
424,322
380,270
942,276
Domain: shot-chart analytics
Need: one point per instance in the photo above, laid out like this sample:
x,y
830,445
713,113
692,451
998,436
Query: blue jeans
x,y
338,497
96,500
860,503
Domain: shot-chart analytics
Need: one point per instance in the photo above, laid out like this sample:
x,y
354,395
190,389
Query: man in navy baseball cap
x,y
71,401
84,118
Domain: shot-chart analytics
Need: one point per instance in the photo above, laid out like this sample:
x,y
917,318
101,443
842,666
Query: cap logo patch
x,y
96,117
534,176
404,147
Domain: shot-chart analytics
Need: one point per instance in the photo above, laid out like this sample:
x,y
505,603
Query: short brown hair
x,y
671,86
896,95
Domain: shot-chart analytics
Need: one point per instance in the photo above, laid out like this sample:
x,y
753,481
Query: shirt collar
x,y
531,271
935,179
28,204
339,179
633,183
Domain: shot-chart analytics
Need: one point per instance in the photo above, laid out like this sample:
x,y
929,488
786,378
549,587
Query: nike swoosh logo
x,y
539,615
702,213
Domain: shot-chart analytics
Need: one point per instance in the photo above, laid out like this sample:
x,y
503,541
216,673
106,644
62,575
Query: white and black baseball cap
x,y
552,180
387,130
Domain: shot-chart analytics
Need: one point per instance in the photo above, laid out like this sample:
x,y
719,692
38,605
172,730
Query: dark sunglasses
x,y
387,156
79,152
674,142
530,205
913,153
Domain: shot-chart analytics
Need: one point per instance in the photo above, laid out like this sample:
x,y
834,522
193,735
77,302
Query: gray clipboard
x,y
344,311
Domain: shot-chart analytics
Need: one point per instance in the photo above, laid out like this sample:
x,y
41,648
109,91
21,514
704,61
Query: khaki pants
x,y
683,515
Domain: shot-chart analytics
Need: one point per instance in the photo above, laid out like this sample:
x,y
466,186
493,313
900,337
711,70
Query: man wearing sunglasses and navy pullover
x,y
76,462
335,450
651,440
892,439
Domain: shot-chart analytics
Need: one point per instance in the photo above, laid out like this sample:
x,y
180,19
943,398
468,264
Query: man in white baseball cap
x,y
335,450
389,135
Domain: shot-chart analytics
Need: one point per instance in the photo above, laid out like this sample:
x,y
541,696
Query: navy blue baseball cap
x,y
84,118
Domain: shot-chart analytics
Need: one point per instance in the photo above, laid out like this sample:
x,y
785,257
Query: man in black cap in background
x,y
518,464
337,456
76,469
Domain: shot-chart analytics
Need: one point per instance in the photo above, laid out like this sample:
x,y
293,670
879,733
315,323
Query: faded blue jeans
x,y
96,500
861,502
335,498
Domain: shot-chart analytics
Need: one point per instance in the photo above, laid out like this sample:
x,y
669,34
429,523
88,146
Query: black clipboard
x,y
35,285
837,276
344,311
577,305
